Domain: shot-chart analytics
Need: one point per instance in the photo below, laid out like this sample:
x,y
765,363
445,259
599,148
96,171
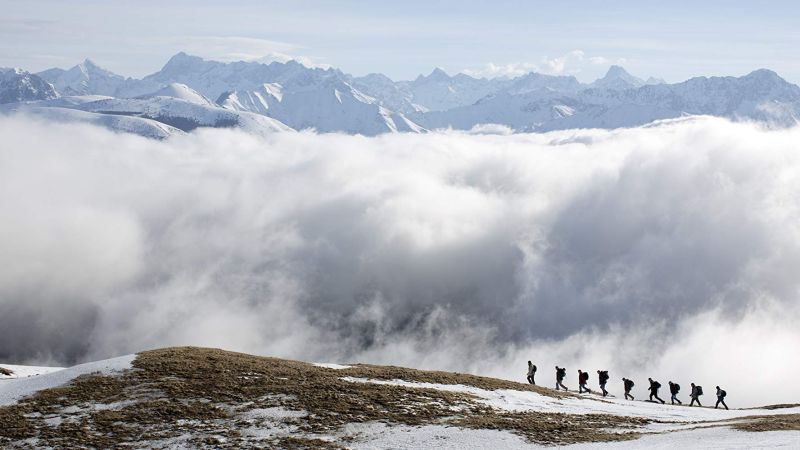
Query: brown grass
x,y
785,422
200,397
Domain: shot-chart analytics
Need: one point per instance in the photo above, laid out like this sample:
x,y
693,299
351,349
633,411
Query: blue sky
x,y
670,40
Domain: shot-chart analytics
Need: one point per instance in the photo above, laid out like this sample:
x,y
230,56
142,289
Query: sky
x,y
671,40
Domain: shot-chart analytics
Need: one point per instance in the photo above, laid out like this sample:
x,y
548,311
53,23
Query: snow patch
x,y
13,390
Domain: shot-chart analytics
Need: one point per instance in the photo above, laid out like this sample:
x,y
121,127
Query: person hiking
x,y
628,385
603,377
697,391
583,378
721,398
561,373
674,388
654,387
531,372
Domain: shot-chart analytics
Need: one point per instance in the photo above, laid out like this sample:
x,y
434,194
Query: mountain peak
x,y
616,71
764,74
617,78
438,74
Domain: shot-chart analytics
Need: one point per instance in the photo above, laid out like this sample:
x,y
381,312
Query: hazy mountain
x,y
761,95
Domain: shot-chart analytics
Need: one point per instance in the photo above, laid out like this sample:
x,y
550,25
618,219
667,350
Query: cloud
x,y
571,63
559,64
650,252
512,70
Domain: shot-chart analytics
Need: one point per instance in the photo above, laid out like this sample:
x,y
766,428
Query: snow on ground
x,y
511,400
378,435
26,371
331,366
706,438
11,390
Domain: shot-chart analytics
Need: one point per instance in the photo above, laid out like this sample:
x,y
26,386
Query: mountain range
x,y
190,92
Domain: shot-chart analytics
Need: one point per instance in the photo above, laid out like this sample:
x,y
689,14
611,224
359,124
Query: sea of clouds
x,y
670,250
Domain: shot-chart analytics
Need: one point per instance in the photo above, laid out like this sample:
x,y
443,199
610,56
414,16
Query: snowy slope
x,y
179,91
327,105
40,378
120,123
176,112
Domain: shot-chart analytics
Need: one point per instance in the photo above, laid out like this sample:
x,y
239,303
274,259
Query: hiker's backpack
x,y
699,390
585,376
630,384
656,385
561,373
604,375
677,387
722,393
534,367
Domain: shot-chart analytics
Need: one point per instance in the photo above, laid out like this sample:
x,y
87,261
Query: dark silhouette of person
x,y
628,385
603,378
721,398
583,378
697,391
674,388
531,372
654,387
561,373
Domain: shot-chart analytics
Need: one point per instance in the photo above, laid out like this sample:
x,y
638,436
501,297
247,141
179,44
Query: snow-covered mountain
x,y
17,85
761,95
84,79
617,79
329,106
329,100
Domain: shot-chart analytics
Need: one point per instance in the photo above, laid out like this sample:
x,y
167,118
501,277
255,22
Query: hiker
x,y
583,378
561,373
721,398
674,388
603,376
697,391
654,387
531,372
628,384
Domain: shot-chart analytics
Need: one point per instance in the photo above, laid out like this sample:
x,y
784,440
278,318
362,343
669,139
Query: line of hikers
x,y
603,377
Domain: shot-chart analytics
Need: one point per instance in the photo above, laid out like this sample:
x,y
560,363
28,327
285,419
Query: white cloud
x,y
599,60
512,70
570,63
648,251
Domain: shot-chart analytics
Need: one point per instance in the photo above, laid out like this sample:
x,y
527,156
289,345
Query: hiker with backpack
x,y
654,387
603,377
697,391
628,385
583,378
721,398
531,372
561,373
674,388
